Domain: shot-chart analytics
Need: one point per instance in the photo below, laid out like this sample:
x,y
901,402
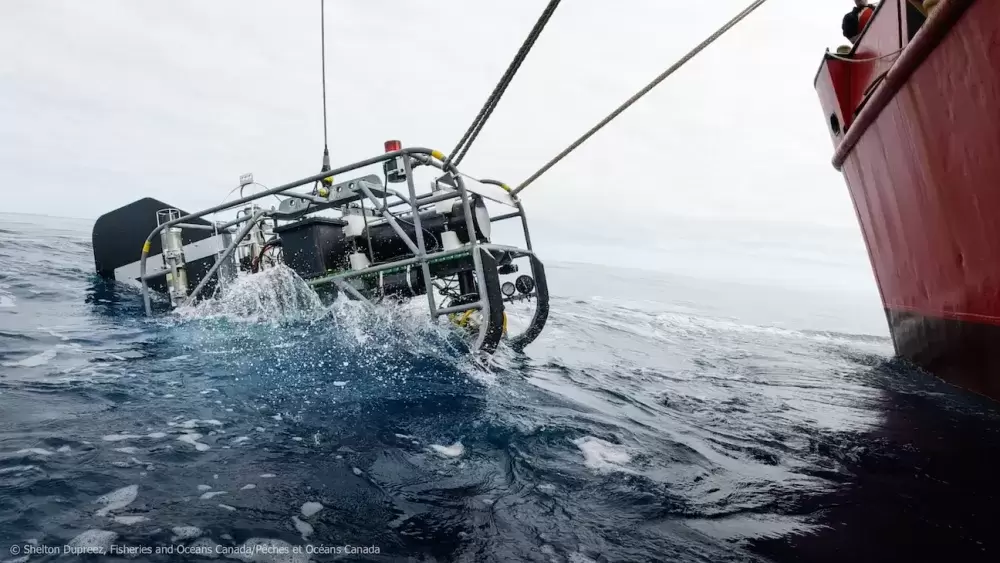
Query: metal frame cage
x,y
476,262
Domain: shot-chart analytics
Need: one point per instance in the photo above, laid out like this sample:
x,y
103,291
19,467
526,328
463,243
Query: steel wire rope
x,y
460,150
628,103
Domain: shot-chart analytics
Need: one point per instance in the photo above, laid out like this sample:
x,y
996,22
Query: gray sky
x,y
103,102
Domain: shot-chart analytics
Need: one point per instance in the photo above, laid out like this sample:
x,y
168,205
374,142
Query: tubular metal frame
x,y
420,256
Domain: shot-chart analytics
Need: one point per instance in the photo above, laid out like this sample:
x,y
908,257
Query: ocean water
x,y
658,418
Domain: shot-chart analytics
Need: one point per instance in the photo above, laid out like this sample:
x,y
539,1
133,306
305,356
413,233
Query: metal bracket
x,y
297,205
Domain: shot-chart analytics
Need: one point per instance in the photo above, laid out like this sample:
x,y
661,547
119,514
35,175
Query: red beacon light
x,y
395,169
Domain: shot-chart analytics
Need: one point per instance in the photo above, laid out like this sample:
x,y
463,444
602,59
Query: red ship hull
x,y
917,137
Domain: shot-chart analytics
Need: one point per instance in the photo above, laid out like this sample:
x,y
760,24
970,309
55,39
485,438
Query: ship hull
x,y
917,138
966,354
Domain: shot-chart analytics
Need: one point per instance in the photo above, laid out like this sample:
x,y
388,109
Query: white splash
x,y
340,383
602,455
206,496
273,295
34,361
454,450
227,507
118,499
205,548
7,300
185,532
195,423
52,332
64,449
248,487
130,520
304,528
204,488
127,450
36,451
17,469
119,437
311,508
157,435
94,541
268,475
193,440
241,440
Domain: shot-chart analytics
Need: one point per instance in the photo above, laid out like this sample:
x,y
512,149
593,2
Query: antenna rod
x,y
322,40
327,182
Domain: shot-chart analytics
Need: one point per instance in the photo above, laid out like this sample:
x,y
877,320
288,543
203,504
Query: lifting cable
x,y
458,153
732,23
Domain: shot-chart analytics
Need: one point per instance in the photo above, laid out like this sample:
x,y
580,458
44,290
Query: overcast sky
x,y
104,102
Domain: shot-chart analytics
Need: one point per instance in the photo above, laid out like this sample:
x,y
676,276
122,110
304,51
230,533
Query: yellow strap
x,y
145,247
438,155
465,317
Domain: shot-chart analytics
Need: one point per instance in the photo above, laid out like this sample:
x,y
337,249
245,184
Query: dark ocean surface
x,y
658,418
